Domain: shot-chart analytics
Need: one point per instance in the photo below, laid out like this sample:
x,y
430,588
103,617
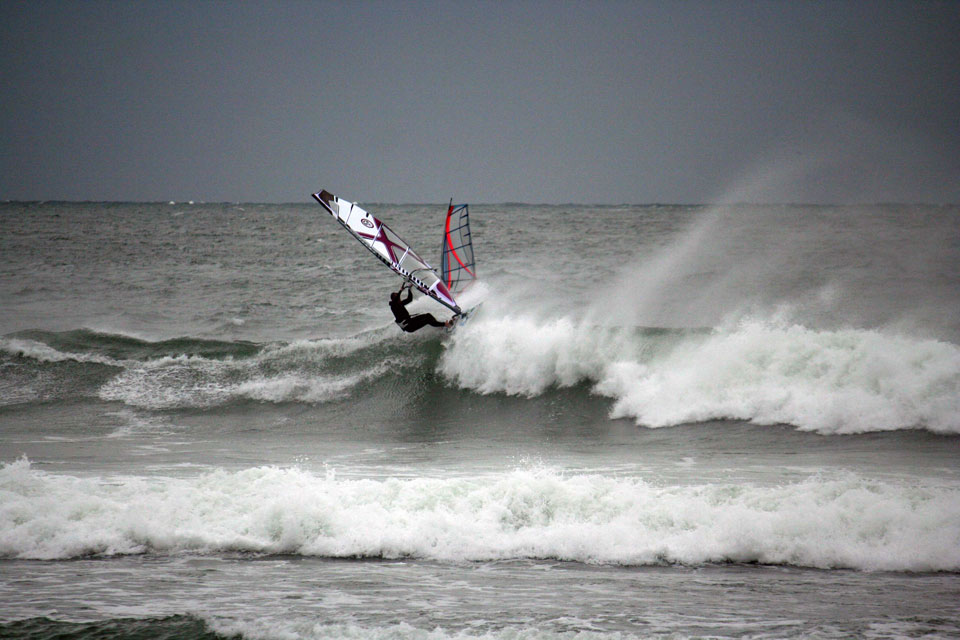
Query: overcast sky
x,y
595,102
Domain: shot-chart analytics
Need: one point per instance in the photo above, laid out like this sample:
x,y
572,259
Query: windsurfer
x,y
403,318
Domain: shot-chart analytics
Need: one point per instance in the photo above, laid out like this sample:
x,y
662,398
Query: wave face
x,y
104,347
167,628
829,381
187,373
845,522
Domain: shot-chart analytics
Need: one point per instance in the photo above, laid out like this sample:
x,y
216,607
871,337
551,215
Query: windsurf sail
x,y
457,266
390,248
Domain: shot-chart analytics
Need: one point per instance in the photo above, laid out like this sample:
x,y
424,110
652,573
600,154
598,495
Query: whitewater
x,y
663,421
846,522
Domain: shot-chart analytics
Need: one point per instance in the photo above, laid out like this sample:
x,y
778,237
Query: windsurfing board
x,y
463,317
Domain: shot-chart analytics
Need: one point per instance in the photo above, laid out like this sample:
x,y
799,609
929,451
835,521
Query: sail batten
x,y
457,265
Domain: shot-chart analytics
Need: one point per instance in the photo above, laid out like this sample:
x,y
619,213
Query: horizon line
x,y
502,203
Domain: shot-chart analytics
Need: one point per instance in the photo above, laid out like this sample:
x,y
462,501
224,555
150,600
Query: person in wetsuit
x,y
403,318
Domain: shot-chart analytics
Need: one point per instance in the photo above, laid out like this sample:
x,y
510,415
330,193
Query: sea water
x,y
663,422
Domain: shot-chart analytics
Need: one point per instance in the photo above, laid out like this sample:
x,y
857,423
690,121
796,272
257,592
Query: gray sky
x,y
604,102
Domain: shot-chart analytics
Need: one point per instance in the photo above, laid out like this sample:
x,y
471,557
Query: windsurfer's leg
x,y
421,320
433,321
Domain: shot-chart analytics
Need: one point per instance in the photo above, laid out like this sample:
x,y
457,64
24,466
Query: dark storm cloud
x,y
527,101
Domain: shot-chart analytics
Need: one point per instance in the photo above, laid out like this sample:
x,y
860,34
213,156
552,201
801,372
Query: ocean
x,y
737,421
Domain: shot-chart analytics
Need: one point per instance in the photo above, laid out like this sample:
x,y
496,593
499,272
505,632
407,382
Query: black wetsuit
x,y
407,322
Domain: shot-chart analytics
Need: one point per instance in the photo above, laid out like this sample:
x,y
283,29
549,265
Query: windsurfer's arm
x,y
409,288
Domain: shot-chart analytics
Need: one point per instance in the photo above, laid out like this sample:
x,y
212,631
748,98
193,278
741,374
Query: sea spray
x,y
833,267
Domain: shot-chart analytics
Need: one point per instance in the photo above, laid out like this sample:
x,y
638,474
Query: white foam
x,y
828,381
304,388
280,373
848,521
843,381
292,629
41,352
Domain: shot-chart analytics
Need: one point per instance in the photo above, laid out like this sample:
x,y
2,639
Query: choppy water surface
x,y
663,422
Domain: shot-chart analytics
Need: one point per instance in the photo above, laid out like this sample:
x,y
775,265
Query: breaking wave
x,y
840,381
827,381
847,521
